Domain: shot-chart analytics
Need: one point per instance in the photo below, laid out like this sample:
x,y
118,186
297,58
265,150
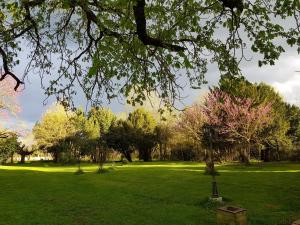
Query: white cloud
x,y
290,89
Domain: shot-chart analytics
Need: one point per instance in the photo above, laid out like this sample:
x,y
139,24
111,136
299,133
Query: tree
x,y
275,138
143,125
120,138
117,47
78,139
236,121
293,115
164,133
7,147
23,151
9,104
191,123
99,122
8,98
53,129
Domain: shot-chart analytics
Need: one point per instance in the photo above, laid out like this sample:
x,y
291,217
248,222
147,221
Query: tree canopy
x,y
53,129
120,47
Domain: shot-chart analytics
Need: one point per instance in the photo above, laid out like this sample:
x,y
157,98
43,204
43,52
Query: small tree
x,y
8,146
23,151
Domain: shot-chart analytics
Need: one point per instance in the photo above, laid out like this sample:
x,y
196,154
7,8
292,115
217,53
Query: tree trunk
x,y
266,155
127,156
165,147
160,151
147,156
12,158
245,156
55,157
23,158
101,158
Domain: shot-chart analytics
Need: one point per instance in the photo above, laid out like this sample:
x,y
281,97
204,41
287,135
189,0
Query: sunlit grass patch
x,y
156,193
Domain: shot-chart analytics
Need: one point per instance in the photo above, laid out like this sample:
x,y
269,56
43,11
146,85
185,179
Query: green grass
x,y
145,193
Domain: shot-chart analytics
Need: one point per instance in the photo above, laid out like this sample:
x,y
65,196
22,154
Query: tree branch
x,y
141,28
7,71
232,4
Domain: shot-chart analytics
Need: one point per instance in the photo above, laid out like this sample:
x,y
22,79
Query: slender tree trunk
x,y
101,158
211,170
12,158
55,157
277,151
248,151
165,150
160,151
79,162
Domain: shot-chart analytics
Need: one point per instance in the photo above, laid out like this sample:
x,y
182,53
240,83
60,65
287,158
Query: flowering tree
x,y
9,104
8,98
236,121
190,124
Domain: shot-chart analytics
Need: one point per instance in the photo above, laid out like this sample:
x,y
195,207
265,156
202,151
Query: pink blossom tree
x,y
9,105
236,121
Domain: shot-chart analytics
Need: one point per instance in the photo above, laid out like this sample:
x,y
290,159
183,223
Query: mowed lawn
x,y
145,193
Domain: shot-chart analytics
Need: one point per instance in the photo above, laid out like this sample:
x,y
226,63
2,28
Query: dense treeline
x,y
237,120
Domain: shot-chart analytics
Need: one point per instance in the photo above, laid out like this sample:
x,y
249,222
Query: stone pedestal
x,y
230,215
217,199
297,222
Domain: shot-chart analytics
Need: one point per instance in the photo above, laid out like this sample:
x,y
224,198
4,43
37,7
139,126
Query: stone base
x,y
219,199
297,222
229,215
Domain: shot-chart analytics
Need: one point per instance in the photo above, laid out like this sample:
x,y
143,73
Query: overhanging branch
x,y
141,29
7,71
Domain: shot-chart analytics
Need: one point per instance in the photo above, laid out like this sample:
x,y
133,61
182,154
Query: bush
x,y
295,155
67,157
184,153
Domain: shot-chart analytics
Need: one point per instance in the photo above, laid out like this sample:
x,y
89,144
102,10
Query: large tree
x,y
138,46
52,131
120,138
143,125
97,127
276,139
236,121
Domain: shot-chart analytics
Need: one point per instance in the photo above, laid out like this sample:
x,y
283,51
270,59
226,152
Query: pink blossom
x,y
9,104
237,119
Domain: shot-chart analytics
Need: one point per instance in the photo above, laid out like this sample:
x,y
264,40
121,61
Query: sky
x,y
282,76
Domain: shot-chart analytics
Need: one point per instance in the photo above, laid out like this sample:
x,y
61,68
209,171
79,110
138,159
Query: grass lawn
x,y
145,193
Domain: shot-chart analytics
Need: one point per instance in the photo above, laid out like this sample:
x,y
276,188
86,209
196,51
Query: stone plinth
x,y
230,215
218,199
297,222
